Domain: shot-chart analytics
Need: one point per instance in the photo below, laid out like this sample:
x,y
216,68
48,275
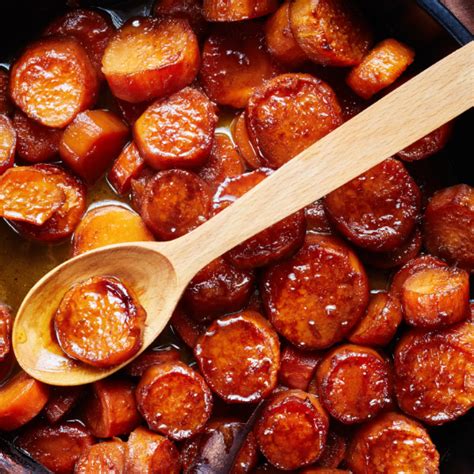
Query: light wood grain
x,y
159,272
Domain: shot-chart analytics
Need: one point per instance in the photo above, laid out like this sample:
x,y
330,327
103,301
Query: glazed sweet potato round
x,y
99,322
392,443
269,246
128,165
354,383
8,143
172,58
152,357
335,449
187,328
243,143
449,225
431,370
297,367
61,401
109,456
237,10
330,32
54,80
378,210
177,131
239,356
235,61
316,218
288,114
174,400
190,10
315,298
292,429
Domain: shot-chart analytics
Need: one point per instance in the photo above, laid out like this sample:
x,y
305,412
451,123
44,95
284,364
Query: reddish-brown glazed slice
x,y
174,400
217,289
239,356
235,60
334,451
177,131
436,297
392,443
323,470
100,322
316,218
111,410
66,218
108,457
237,10
106,225
174,203
316,297
150,358
30,195
292,430
6,107
380,322
8,143
56,447
382,66
449,225
138,186
269,246
5,331
61,401
378,210
243,143
288,114
172,58
190,10
92,28
91,143
187,328
218,437
35,142
297,367
330,32
428,145
354,383
151,452
54,80
223,162
126,167
432,372
280,40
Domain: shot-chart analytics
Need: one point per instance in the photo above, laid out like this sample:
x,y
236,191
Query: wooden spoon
x,y
160,271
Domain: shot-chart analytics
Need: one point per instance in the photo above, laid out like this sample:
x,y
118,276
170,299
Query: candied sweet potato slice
x,y
106,225
54,80
174,203
177,131
237,10
449,225
297,367
330,32
436,297
150,358
99,322
187,328
271,245
174,400
128,165
61,401
316,218
172,58
108,457
6,106
21,399
8,143
92,28
190,10
354,383
28,194
242,140
334,451
5,331
392,443
380,322
280,40
111,410
315,297
151,452
138,186
288,114
217,289
292,429
56,447
382,66
35,142
239,357
91,143
432,373
378,210
235,61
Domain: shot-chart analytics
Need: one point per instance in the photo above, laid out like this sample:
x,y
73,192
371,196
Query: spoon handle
x,y
413,110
